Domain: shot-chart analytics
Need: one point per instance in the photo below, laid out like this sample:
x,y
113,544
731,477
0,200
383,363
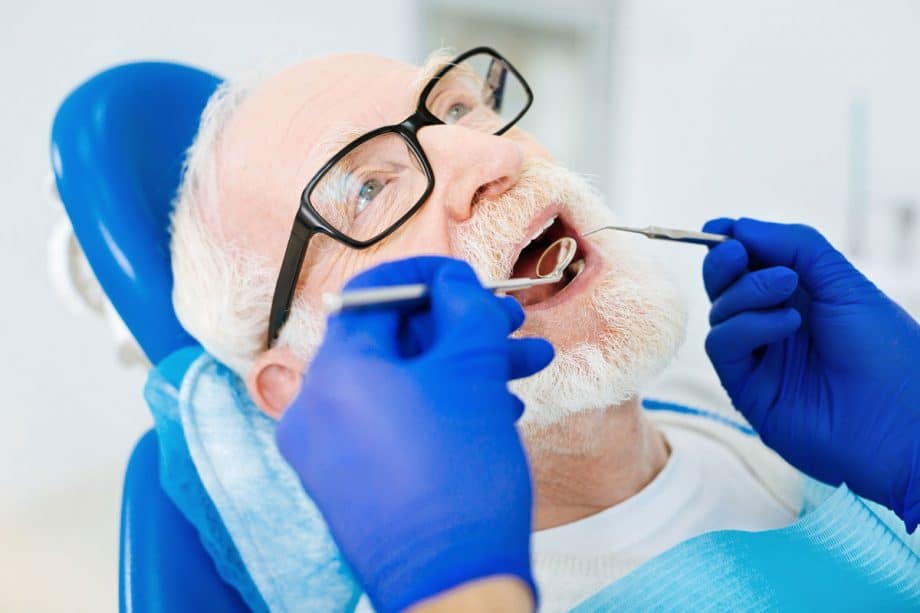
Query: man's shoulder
x,y
783,481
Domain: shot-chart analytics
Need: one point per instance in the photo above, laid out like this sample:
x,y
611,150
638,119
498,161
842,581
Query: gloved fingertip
x,y
453,271
514,311
722,265
528,356
784,281
733,251
517,408
719,225
731,254
735,338
544,352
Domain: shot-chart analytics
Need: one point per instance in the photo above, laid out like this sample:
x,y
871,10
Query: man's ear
x,y
274,380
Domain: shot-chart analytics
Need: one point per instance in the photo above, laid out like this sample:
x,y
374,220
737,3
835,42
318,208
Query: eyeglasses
x,y
377,182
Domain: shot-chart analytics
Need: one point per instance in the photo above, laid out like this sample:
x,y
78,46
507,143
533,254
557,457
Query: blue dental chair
x,y
117,147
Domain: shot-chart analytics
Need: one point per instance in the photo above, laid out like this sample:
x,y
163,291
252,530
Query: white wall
x,y
71,414
745,108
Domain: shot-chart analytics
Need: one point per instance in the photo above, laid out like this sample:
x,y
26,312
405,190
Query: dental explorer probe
x,y
400,294
684,236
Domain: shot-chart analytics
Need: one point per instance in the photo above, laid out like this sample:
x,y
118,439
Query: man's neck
x,y
592,461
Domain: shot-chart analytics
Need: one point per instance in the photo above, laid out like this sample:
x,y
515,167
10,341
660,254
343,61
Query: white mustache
x,y
490,238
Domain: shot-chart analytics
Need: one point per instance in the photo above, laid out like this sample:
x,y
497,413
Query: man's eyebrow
x,y
336,138
433,64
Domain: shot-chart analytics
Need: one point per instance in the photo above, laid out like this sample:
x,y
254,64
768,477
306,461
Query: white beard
x,y
634,312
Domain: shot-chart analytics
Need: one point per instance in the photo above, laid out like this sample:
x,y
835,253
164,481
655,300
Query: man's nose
x,y
469,166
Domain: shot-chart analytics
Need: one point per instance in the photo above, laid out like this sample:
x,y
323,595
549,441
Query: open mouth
x,y
526,264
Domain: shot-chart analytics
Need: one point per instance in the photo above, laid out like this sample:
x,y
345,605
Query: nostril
x,y
492,189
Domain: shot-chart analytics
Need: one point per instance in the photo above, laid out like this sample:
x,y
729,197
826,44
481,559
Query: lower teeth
x,y
576,268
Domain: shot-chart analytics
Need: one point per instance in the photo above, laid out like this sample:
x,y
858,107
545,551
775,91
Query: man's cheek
x,y
361,260
530,146
340,264
413,246
338,268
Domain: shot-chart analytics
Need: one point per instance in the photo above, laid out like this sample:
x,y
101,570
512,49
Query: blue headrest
x,y
117,147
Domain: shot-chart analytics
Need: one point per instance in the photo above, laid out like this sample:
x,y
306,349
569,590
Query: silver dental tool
x,y
564,248
669,234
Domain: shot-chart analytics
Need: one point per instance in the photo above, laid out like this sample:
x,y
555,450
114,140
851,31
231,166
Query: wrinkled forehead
x,y
311,110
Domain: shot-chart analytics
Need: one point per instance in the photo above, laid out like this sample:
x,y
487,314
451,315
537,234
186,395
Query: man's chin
x,y
578,380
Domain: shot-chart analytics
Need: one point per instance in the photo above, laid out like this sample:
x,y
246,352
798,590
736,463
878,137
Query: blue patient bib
x,y
839,557
221,467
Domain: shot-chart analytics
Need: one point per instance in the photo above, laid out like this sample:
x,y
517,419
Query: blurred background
x,y
678,111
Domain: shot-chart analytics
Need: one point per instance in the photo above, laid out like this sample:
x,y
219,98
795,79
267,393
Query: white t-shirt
x,y
703,487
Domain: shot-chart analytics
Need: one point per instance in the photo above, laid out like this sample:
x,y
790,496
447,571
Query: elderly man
x,y
614,485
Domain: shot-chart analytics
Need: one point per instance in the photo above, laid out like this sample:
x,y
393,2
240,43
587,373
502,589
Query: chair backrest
x,y
163,568
117,147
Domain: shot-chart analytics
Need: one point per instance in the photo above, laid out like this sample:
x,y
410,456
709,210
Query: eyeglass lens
x,y
371,187
480,93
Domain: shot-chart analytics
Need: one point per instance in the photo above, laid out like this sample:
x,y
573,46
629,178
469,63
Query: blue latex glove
x,y
822,363
403,434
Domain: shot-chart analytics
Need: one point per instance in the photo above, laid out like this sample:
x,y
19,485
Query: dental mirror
x,y
556,258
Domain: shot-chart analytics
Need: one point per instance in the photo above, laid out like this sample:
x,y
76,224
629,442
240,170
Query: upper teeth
x,y
543,229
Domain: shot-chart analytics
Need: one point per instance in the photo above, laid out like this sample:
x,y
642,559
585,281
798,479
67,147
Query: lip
x,y
589,254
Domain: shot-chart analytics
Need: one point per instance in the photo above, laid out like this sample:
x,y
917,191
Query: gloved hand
x,y
403,434
824,365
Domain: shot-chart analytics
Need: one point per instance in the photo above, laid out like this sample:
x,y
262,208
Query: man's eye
x,y
369,190
456,112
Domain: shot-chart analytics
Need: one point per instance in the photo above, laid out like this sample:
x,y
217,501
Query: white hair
x,y
222,294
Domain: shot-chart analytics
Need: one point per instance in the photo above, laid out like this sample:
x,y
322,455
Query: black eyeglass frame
x,y
308,221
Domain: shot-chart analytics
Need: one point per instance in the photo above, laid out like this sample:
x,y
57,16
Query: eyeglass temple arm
x,y
287,279
495,80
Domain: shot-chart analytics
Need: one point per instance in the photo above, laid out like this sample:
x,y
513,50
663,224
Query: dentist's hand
x,y
824,365
403,434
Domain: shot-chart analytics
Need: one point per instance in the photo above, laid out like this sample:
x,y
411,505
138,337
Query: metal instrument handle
x,y
413,292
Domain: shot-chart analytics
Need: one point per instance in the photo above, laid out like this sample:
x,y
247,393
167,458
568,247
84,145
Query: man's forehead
x,y
370,95
317,106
